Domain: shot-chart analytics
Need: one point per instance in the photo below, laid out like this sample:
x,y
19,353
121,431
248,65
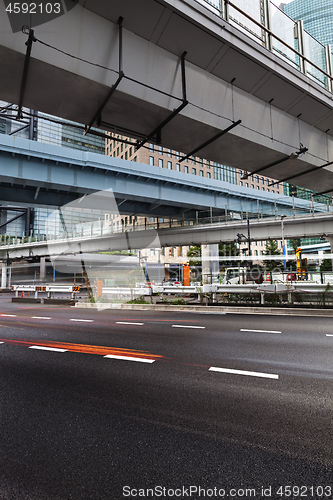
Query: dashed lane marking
x,y
129,358
9,315
40,317
243,372
188,326
260,331
43,348
128,323
84,320
329,334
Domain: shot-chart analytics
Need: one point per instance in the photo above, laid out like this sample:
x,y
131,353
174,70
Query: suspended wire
x,y
157,90
75,57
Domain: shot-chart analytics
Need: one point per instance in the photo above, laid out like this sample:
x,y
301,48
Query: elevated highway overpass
x,y
43,174
175,73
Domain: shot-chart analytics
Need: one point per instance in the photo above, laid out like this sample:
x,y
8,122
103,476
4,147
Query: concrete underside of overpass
x,y
278,106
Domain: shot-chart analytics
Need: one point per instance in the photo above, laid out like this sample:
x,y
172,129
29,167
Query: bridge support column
x,y
330,240
6,273
210,262
42,268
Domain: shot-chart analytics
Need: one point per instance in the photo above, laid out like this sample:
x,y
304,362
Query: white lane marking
x,y
40,317
43,348
243,372
329,334
9,315
188,326
85,320
128,323
260,331
128,358
1,342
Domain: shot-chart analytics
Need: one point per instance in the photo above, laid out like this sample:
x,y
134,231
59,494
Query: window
x,y
151,160
247,185
152,251
151,147
262,180
257,178
177,167
252,186
186,170
262,189
194,171
169,165
256,252
169,153
208,175
193,160
241,183
267,182
208,164
160,150
201,173
160,163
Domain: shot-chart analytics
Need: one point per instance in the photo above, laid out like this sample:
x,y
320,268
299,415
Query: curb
x,y
279,311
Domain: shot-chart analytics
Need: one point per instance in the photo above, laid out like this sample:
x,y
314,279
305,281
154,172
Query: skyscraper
x,y
317,17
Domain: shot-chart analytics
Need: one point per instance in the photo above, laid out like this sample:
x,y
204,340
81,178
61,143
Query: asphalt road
x,y
104,405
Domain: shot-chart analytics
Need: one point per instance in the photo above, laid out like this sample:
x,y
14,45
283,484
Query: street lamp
x,y
284,246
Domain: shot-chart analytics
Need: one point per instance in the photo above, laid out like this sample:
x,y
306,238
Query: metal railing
x,y
100,228
280,34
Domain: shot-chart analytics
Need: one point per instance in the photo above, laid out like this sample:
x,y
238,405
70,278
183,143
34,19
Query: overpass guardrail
x,y
277,32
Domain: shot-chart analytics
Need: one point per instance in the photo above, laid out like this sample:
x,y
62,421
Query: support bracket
x,y
98,115
217,136
157,131
31,39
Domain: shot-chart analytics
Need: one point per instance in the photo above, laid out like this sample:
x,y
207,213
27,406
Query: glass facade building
x,y
50,130
317,17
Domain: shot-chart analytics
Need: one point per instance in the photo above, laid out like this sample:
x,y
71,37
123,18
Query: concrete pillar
x,y
330,240
6,273
210,261
42,268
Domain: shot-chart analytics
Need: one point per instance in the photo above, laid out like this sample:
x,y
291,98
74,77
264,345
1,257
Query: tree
x,y
326,265
272,249
228,250
296,243
194,255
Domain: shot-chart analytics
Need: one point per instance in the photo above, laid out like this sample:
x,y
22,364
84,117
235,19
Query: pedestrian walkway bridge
x,y
175,233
